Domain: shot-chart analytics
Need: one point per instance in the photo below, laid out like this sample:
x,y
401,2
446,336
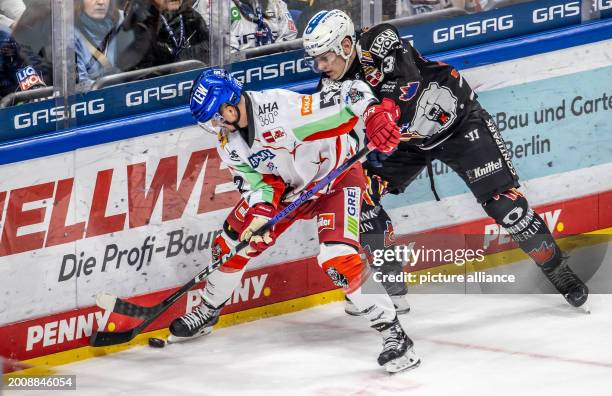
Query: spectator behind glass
x,y
255,23
306,9
178,33
414,7
15,75
33,35
10,62
97,23
10,12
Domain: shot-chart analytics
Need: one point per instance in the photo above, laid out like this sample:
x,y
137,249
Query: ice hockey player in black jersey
x,y
441,119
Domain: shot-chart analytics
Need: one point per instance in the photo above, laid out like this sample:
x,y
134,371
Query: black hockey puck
x,y
156,342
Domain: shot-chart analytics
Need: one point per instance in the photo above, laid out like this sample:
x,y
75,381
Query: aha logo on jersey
x,y
260,157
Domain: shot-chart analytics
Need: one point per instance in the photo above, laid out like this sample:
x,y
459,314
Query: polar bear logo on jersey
x,y
436,110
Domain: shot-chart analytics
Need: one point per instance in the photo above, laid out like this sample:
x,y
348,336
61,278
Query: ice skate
x,y
567,283
194,324
398,352
400,303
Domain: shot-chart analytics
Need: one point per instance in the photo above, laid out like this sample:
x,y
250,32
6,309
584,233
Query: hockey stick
x,y
149,314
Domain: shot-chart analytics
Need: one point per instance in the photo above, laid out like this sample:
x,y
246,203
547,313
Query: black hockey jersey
x,y
433,96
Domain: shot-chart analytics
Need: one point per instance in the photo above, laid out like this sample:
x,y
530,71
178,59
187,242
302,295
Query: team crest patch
x,y
274,136
336,277
372,75
241,210
409,91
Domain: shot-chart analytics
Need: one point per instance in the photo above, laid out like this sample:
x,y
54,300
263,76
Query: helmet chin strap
x,y
235,123
346,60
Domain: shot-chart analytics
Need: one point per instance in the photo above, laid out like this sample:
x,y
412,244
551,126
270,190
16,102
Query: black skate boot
x,y
194,324
398,352
567,282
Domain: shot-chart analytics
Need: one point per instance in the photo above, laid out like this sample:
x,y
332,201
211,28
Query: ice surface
x,y
469,344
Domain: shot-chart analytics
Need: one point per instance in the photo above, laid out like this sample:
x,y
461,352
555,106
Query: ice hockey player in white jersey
x,y
277,144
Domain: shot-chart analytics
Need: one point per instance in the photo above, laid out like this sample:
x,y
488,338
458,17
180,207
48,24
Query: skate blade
x,y
400,304
354,313
172,339
351,309
402,311
584,308
407,362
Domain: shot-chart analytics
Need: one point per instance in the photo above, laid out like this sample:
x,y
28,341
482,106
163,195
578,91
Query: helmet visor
x,y
325,62
217,123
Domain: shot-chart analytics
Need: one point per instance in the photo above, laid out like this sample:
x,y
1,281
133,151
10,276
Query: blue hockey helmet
x,y
213,88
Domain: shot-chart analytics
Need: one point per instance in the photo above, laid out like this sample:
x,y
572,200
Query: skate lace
x,y
392,338
562,277
198,317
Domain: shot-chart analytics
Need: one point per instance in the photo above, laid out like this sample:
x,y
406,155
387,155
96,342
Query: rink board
x,y
267,291
135,217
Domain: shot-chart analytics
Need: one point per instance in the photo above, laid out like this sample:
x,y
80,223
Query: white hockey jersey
x,y
294,140
243,27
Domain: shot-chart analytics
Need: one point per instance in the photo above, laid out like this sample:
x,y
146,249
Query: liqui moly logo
x,y
28,78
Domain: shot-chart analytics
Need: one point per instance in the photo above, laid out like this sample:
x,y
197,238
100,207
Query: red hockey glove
x,y
381,129
255,218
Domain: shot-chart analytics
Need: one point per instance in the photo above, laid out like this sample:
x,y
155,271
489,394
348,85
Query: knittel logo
x,y
484,171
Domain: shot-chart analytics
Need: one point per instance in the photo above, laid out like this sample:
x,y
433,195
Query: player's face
x,y
331,64
227,116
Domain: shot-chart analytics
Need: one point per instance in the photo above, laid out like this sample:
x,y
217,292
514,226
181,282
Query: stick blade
x,y
115,304
106,301
108,338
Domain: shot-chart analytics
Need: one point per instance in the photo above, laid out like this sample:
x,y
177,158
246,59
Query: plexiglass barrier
x,y
74,46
